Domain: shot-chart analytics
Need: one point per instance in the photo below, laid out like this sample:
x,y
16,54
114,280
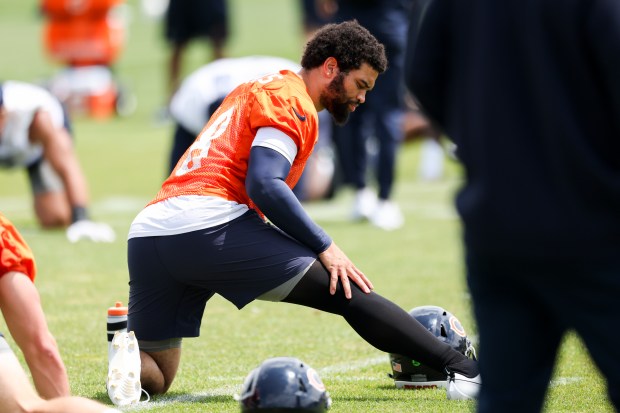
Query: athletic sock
x,y
467,367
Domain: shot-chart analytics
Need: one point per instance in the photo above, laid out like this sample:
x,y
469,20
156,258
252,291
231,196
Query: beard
x,y
334,100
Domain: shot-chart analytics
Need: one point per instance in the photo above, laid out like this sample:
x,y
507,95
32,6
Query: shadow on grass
x,y
173,397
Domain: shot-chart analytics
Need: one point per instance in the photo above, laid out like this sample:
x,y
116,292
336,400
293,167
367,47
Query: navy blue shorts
x,y
171,278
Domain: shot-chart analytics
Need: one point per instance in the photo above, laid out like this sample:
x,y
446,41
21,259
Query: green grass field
x,y
125,159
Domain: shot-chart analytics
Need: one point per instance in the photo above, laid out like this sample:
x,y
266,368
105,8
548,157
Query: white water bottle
x,y
117,320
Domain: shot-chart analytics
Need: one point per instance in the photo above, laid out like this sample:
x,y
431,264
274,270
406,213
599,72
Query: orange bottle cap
x,y
118,309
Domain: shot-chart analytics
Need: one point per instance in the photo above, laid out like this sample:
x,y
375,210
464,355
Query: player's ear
x,y
330,67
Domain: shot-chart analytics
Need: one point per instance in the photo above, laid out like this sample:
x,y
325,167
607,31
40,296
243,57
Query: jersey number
x,y
266,79
200,148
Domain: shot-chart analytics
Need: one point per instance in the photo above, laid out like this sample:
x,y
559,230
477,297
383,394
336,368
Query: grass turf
x,y
125,159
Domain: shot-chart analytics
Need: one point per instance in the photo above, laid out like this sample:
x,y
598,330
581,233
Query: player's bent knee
x,y
159,369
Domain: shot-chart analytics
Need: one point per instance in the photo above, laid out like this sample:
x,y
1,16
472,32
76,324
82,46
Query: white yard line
x,y
325,372
229,389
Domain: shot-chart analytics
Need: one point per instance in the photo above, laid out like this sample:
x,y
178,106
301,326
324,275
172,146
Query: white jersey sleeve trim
x,y
277,140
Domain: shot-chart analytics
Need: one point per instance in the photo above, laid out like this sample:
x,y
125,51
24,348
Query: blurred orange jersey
x,y
15,254
216,164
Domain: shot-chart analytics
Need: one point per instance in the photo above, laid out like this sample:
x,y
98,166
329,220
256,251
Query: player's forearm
x,y
281,206
77,200
75,186
59,152
266,187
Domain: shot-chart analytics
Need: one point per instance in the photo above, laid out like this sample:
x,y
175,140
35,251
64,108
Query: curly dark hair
x,y
348,42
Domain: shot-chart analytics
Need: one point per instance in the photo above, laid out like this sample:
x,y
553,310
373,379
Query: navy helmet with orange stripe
x,y
409,373
284,384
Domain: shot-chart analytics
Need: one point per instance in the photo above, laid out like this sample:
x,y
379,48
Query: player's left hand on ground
x,y
341,267
90,230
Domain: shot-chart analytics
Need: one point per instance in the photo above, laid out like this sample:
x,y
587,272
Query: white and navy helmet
x,y
411,374
284,384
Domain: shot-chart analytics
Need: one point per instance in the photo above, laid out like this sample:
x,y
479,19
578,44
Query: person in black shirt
x,y
529,91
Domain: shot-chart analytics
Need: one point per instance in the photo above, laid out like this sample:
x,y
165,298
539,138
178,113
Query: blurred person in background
x,y
529,91
187,20
380,120
22,311
418,126
35,134
315,14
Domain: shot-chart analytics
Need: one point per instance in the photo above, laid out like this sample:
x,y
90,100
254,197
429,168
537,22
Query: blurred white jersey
x,y
210,83
21,101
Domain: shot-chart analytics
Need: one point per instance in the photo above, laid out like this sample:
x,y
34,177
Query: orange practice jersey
x,y
15,254
216,164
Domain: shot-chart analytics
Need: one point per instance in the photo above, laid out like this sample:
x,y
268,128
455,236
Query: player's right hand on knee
x,y
341,268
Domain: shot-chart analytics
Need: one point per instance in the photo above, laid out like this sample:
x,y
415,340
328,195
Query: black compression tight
x,y
379,321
